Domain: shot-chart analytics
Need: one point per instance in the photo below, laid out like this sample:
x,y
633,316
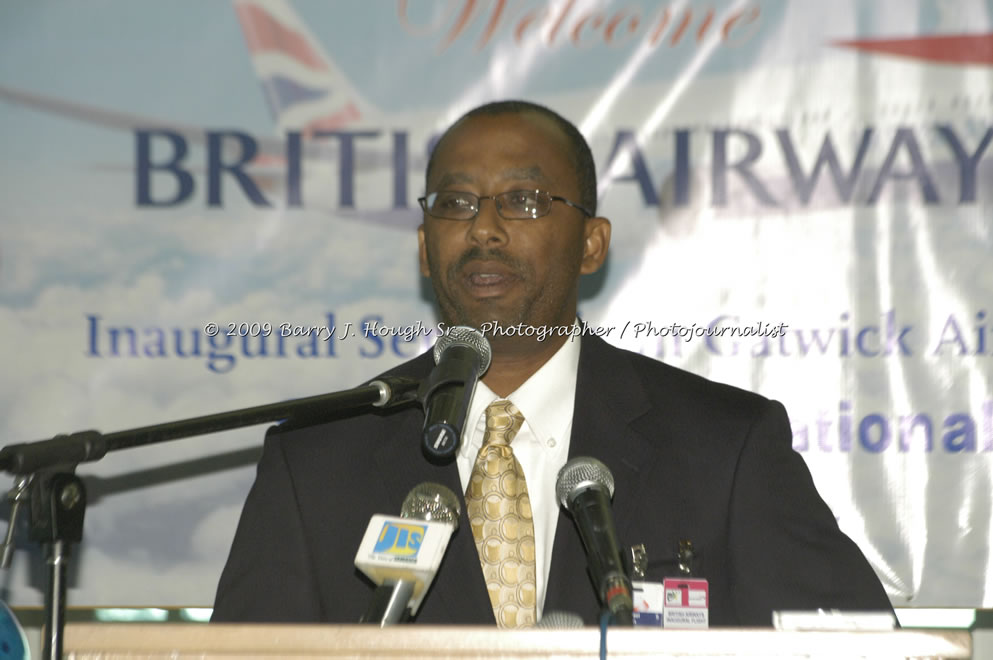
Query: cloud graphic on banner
x,y
167,273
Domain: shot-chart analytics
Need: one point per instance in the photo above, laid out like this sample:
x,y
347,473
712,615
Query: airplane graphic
x,y
305,92
301,87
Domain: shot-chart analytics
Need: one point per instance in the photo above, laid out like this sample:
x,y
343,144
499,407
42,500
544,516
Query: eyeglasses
x,y
511,205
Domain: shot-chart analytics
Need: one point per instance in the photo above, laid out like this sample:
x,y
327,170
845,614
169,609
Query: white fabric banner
x,y
801,195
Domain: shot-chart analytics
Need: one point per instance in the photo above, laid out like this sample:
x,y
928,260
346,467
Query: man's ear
x,y
595,244
422,252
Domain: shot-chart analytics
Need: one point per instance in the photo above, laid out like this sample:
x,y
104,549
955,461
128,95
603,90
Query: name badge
x,y
686,603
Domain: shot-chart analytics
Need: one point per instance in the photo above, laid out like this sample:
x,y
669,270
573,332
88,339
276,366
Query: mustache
x,y
477,253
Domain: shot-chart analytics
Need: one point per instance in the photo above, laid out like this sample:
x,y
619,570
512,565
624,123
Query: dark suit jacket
x,y
692,459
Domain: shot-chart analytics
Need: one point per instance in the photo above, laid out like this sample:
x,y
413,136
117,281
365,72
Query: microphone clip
x,y
461,357
447,387
445,373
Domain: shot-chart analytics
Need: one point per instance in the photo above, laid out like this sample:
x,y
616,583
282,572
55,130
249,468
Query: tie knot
x,y
503,421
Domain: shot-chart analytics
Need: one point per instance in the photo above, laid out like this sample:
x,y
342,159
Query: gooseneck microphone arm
x,y
87,446
57,496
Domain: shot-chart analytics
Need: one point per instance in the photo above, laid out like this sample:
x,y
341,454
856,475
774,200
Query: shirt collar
x,y
546,399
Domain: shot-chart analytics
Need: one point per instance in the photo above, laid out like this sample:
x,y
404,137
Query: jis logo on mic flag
x,y
400,539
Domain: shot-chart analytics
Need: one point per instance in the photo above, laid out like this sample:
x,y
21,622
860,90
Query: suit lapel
x,y
394,454
609,398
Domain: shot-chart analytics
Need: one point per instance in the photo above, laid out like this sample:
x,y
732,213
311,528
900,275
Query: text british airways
x,y
723,167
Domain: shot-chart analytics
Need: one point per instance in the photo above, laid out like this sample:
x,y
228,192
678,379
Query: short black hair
x,y
581,155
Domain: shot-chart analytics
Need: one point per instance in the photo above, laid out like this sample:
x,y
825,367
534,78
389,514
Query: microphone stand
x,y
389,603
57,497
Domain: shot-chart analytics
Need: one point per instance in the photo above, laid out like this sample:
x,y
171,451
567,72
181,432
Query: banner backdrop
x,y
207,206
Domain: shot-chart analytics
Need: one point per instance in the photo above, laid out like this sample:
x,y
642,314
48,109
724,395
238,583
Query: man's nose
x,y
488,226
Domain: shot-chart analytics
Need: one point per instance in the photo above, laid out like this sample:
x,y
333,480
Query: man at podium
x,y
509,227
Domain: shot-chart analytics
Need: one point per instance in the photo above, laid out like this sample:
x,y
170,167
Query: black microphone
x,y
461,356
584,487
401,589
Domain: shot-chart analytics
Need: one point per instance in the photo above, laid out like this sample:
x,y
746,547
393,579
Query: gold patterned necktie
x,y
499,512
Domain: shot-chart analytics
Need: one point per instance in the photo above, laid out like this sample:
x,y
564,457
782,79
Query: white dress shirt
x,y
546,400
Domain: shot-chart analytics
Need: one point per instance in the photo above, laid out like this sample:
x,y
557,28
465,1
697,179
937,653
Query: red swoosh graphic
x,y
947,49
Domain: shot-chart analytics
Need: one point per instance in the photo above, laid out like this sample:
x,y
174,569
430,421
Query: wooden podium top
x,y
109,641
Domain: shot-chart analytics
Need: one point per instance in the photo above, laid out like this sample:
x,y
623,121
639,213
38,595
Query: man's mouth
x,y
488,279
485,279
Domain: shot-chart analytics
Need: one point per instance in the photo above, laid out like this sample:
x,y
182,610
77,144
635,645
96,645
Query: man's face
x,y
510,271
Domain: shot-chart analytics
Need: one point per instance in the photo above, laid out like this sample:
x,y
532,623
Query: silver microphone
x,y
432,502
429,502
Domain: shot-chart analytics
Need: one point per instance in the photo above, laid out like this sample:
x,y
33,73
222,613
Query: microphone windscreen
x,y
432,502
560,619
463,335
579,474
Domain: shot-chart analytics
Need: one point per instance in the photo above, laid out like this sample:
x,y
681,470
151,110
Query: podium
x,y
134,641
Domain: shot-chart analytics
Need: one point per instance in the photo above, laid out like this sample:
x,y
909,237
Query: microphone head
x,y
580,474
463,335
432,502
560,619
